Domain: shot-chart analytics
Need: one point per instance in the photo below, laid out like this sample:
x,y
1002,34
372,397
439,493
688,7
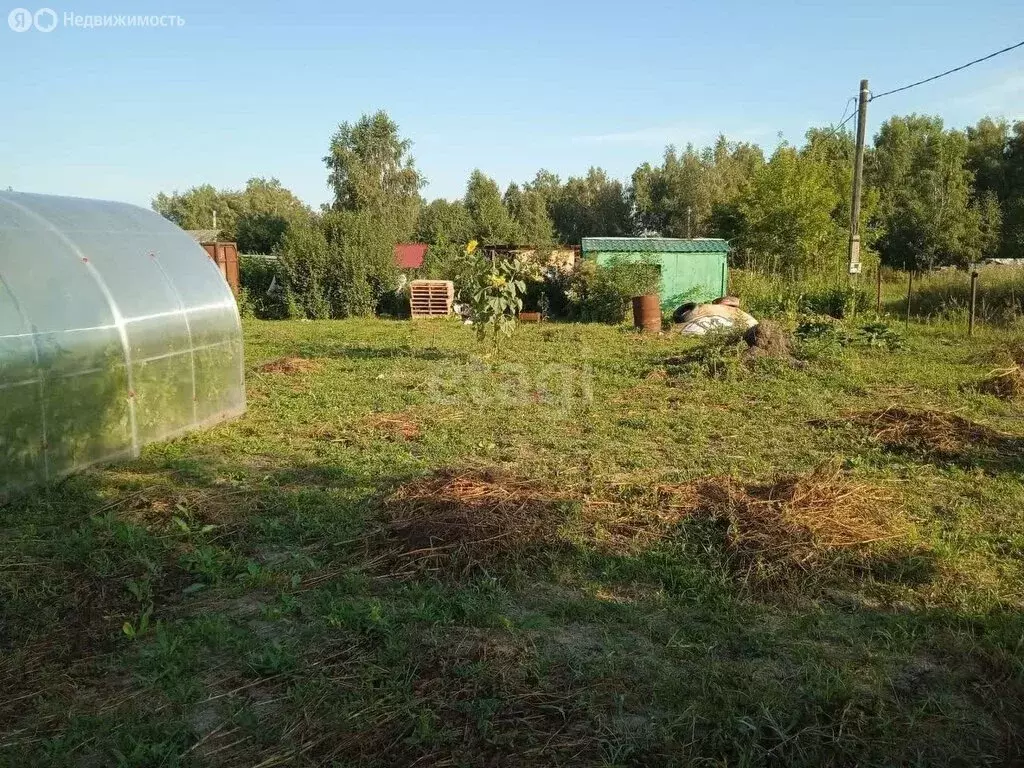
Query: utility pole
x,y
689,220
858,176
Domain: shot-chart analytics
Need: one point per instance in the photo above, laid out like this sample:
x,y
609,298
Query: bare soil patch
x,y
291,366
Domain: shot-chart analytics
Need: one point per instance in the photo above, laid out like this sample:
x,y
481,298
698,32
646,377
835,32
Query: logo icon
x,y
20,19
45,19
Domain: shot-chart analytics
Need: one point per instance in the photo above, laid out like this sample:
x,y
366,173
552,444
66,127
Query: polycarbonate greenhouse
x,y
116,330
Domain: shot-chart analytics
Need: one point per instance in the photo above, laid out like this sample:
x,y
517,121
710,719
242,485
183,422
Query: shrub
x,y
362,262
556,299
263,292
395,303
602,293
836,301
823,332
449,261
879,334
305,260
340,266
535,298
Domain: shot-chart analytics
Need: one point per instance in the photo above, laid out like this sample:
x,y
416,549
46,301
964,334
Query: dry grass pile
x,y
935,432
291,366
395,426
460,520
470,518
768,339
1005,378
727,354
1004,383
794,521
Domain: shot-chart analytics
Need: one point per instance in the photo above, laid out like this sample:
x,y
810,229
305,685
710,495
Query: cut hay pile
x,y
456,521
1005,383
465,519
727,354
394,426
935,432
768,339
795,520
290,366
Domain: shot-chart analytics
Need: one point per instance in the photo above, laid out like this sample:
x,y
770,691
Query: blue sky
x,y
256,89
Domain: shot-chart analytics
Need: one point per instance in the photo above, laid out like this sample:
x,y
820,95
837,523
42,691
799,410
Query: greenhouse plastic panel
x,y
116,330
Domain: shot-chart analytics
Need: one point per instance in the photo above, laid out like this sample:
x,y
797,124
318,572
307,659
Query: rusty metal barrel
x,y
647,312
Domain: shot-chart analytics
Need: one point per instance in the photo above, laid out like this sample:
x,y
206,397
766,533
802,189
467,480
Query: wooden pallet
x,y
431,298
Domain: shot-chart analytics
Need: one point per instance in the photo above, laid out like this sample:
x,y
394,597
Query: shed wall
x,y
684,276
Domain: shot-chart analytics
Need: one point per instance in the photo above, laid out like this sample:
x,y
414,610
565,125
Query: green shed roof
x,y
654,245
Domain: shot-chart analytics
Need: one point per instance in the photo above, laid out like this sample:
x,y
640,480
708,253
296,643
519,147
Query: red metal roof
x,y
410,255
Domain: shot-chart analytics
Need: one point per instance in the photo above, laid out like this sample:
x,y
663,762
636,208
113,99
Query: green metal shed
x,y
691,270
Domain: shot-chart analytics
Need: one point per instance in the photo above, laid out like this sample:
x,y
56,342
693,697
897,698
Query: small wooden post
x,y
878,289
974,302
910,292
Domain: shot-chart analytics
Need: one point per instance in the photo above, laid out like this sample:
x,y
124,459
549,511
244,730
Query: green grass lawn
x,y
241,596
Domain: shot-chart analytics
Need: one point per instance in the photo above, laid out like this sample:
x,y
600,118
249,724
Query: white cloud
x,y
657,135
1002,95
678,134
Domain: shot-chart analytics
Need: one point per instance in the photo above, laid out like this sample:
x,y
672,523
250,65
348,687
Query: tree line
x,y
933,196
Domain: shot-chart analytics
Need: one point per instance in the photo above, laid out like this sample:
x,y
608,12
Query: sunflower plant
x,y
497,295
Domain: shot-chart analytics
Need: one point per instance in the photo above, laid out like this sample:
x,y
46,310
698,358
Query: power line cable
x,y
947,72
844,118
852,115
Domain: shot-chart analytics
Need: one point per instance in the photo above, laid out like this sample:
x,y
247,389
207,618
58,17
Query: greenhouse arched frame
x,y
116,330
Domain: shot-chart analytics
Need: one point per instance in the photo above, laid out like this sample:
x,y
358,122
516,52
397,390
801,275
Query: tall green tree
x,y
987,156
694,193
372,173
492,223
255,217
266,210
376,205
995,154
195,209
989,161
594,205
445,222
660,196
447,227
834,151
1013,198
529,211
990,224
787,210
548,185
925,194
